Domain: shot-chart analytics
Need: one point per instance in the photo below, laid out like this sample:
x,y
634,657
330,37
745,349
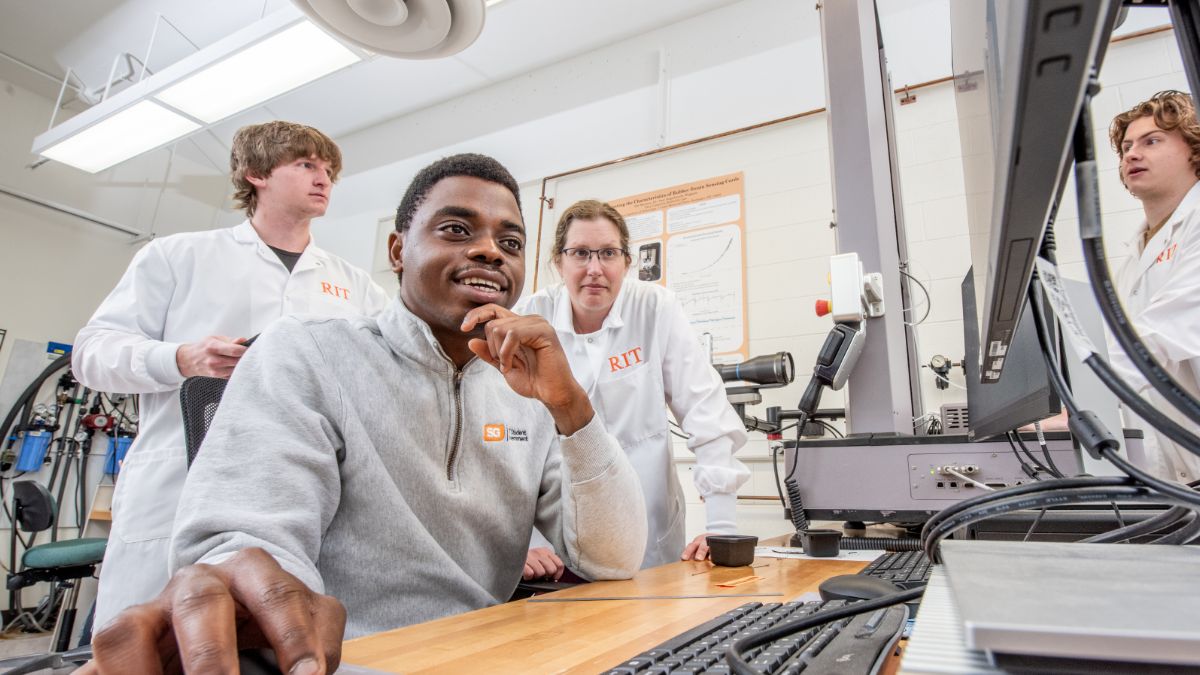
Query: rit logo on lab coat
x,y
336,291
623,361
1167,253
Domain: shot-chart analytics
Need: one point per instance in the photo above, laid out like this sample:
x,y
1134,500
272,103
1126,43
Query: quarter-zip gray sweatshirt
x,y
442,474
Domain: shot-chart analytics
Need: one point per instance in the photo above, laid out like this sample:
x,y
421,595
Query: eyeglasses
x,y
606,256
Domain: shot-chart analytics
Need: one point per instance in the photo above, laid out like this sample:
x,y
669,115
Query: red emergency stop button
x,y
823,307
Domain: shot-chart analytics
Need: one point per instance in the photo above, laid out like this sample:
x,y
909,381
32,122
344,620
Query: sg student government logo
x,y
498,432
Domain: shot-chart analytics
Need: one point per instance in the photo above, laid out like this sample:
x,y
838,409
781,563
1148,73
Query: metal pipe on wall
x,y
69,210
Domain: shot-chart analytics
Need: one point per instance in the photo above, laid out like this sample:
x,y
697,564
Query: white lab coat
x,y
1160,288
180,289
644,358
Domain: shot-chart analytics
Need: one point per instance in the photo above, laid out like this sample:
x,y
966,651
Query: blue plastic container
x,y
117,447
33,450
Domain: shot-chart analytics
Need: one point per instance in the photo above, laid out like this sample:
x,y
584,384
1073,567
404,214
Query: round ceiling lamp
x,y
407,29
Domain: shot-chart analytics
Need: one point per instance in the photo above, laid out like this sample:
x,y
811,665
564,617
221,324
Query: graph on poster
x,y
690,238
706,275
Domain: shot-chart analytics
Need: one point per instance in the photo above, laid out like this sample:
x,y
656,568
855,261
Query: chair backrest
x,y
199,398
34,508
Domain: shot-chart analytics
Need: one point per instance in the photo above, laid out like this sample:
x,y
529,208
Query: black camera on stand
x,y
754,375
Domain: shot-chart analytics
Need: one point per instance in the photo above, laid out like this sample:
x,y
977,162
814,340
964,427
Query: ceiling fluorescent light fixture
x,y
268,58
143,126
286,60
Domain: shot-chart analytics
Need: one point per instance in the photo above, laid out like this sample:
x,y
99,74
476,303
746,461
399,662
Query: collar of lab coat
x,y
563,320
312,256
1188,204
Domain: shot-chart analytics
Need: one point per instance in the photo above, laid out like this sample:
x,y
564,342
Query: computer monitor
x,y
1024,395
1021,69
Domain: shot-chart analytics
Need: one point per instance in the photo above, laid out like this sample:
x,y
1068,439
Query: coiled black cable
x,y
799,518
1091,494
982,500
880,544
1161,521
1183,535
801,522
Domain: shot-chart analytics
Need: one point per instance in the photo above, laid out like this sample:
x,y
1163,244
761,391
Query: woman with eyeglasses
x,y
632,349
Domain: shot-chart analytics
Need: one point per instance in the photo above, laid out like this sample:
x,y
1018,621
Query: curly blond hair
x,y
259,148
1171,110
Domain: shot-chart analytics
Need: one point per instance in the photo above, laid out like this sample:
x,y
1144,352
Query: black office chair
x,y
199,397
62,563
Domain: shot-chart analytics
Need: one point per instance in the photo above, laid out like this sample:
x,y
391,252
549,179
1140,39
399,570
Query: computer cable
x,y
1046,486
1049,251
1152,416
1127,395
1099,442
1047,465
829,427
928,299
1087,193
1027,488
1181,492
1041,438
1005,501
932,537
737,662
1123,391
1031,471
775,452
1185,534
1036,521
1036,465
967,479
1167,518
1122,329
1090,431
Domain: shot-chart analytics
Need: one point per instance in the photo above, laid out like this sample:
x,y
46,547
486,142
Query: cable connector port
x,y
965,469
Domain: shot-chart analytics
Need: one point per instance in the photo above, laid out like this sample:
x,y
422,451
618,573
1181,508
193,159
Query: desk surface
x,y
590,636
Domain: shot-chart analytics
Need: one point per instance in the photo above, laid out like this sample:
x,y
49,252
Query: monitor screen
x,y
1021,69
1024,395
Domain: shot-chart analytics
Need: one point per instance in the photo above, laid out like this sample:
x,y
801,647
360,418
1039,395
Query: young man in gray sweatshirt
x,y
396,464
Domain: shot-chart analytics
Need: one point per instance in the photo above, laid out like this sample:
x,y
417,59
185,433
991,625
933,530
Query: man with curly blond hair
x,y
1158,142
186,306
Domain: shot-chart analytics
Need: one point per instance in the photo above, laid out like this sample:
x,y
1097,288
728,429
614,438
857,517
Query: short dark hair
x,y
465,164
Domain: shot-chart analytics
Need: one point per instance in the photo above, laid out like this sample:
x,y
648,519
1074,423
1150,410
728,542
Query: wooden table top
x,y
587,636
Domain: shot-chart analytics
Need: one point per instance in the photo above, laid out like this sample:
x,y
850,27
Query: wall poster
x,y
691,239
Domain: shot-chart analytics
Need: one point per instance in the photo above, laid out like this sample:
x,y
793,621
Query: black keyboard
x,y
857,644
906,569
